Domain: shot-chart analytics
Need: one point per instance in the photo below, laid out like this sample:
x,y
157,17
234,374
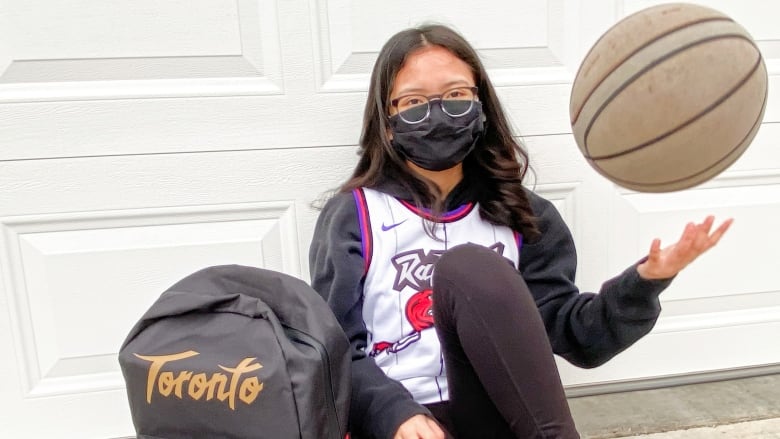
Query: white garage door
x,y
141,141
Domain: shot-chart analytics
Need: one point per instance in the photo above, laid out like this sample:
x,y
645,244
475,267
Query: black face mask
x,y
440,141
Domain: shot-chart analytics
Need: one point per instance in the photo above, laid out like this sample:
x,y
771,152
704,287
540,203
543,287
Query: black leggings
x,y
503,381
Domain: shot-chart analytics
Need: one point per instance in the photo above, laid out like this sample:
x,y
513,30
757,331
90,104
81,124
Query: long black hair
x,y
497,165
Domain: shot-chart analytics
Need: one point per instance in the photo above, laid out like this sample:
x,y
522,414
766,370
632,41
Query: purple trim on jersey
x,y
447,217
519,240
366,237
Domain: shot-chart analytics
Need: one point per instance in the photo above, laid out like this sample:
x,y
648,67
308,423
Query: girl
x,y
435,225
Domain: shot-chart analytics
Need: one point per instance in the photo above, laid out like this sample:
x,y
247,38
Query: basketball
x,y
668,98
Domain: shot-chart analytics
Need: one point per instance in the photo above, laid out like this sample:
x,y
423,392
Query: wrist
x,y
643,272
647,273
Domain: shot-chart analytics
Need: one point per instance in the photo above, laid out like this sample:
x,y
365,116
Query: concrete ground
x,y
739,408
764,429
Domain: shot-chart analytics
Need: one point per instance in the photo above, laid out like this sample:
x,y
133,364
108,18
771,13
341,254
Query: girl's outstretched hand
x,y
695,240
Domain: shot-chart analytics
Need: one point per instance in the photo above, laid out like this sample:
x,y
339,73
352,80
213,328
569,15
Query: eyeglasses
x,y
455,102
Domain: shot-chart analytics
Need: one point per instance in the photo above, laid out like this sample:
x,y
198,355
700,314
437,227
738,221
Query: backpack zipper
x,y
330,399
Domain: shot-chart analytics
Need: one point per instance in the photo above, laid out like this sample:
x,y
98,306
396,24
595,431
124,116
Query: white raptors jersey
x,y
399,258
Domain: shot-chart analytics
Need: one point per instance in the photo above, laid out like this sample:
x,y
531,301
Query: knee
x,y
466,261
472,268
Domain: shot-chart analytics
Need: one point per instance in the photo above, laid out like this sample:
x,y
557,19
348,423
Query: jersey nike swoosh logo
x,y
386,228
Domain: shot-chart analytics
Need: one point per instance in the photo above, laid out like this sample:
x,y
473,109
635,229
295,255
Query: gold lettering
x,y
250,388
165,383
242,367
197,386
178,383
217,378
225,389
157,364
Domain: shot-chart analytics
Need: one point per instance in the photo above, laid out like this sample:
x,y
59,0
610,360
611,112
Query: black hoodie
x,y
586,329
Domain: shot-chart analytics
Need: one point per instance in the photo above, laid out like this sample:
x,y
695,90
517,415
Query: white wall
x,y
140,141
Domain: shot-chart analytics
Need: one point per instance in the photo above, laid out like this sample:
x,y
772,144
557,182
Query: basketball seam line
x,y
757,122
638,49
706,110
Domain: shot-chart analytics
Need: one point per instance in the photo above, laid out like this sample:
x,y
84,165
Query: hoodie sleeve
x,y
586,329
379,404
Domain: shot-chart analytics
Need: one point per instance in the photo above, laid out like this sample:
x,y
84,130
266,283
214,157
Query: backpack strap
x,y
366,237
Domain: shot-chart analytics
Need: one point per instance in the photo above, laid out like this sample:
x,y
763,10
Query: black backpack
x,y
238,352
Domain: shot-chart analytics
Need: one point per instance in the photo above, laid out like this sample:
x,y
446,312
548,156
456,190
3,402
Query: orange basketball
x,y
668,98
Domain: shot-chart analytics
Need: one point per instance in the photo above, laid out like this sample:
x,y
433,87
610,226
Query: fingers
x,y
704,240
436,431
701,239
720,231
655,251
419,427
695,240
706,225
687,239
